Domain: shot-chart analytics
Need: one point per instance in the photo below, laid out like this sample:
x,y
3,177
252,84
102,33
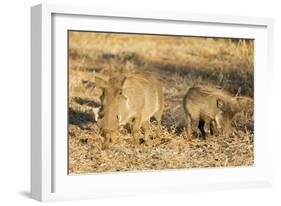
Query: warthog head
x,y
113,112
228,109
225,116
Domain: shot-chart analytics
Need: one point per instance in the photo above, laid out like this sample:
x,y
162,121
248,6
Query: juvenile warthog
x,y
210,106
133,99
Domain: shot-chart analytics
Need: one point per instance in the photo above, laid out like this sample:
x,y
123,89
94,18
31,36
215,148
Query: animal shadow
x,y
87,102
79,118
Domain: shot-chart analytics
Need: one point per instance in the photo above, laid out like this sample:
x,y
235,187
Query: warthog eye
x,y
118,117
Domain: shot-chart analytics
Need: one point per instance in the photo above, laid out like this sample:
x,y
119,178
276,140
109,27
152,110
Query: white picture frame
x,y
49,179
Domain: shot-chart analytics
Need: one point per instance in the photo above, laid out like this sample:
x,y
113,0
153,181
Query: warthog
x,y
131,99
210,106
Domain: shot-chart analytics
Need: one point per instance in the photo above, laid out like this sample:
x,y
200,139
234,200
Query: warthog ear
x,y
100,83
101,80
220,104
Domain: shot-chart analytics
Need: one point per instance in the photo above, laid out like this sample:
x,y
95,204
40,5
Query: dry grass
x,y
181,62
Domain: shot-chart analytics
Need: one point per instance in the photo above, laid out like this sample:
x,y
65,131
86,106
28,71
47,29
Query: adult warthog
x,y
130,99
203,105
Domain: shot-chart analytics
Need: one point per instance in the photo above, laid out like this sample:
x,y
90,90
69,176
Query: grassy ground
x,y
181,62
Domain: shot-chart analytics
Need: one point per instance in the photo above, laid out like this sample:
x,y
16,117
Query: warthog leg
x,y
201,128
158,117
213,127
188,128
145,126
136,125
106,142
159,113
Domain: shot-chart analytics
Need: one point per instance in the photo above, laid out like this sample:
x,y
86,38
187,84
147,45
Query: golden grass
x,y
181,62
